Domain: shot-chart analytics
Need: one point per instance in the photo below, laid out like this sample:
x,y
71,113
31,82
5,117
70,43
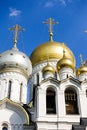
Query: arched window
x,y
50,101
71,101
4,128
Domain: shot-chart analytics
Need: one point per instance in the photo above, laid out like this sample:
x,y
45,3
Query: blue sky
x,y
71,15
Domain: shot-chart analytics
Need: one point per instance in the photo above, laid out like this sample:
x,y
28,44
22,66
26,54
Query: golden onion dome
x,y
53,50
48,68
65,62
82,69
50,49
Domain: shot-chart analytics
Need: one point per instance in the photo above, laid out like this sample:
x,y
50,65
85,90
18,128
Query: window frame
x,y
4,125
49,112
71,103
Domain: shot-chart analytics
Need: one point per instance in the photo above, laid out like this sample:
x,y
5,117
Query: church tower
x,y
15,69
57,92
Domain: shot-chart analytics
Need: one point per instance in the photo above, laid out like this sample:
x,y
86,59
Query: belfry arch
x,y
50,101
71,101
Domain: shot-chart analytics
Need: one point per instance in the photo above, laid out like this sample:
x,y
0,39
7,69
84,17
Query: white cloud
x,y
67,2
49,4
14,12
52,3
63,2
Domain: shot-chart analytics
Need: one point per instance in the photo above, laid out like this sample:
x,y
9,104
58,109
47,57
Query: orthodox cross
x,y
16,29
50,22
81,60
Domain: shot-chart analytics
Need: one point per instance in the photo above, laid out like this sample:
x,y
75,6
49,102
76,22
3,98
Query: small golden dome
x,y
51,49
82,69
48,68
65,62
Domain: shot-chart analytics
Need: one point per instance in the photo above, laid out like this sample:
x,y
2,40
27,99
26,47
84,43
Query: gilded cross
x,y
16,29
50,22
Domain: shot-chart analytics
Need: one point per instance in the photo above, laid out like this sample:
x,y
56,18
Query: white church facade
x,y
58,91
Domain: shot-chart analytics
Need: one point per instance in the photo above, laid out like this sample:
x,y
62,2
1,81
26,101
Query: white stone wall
x,y
65,73
65,78
11,118
38,70
16,81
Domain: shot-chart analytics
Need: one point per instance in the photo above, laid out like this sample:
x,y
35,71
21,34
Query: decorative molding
x,y
17,105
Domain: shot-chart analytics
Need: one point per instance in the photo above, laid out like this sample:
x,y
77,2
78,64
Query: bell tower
x,y
53,78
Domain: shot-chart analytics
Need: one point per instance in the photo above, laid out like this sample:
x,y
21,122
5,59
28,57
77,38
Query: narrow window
x,y
50,101
9,89
71,101
56,75
86,93
37,79
21,92
33,95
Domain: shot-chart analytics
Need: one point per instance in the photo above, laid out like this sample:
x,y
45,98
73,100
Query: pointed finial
x,y
16,29
81,60
50,22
